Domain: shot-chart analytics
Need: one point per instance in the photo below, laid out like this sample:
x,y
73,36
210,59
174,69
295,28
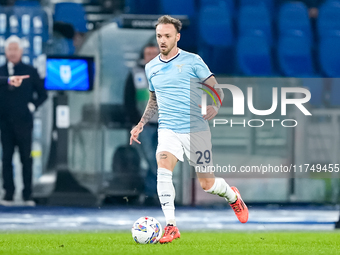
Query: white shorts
x,y
195,146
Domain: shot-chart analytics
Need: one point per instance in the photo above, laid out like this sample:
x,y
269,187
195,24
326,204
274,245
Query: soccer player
x,y
182,128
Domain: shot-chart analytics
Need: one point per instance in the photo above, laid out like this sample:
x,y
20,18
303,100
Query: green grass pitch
x,y
190,243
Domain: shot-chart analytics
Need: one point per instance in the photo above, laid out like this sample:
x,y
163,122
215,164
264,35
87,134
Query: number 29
x,y
206,155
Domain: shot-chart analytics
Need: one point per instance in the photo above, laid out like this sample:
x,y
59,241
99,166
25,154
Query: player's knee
x,y
164,160
164,164
206,183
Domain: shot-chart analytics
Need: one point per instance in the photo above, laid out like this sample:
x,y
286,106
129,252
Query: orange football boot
x,y
170,233
239,207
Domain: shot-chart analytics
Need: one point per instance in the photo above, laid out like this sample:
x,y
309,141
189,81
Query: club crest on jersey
x,y
180,68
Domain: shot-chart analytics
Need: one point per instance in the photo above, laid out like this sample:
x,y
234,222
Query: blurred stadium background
x,y
258,43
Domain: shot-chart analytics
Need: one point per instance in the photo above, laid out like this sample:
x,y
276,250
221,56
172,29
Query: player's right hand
x,y
135,133
17,80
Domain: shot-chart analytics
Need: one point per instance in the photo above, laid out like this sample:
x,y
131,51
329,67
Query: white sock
x,y
222,189
166,194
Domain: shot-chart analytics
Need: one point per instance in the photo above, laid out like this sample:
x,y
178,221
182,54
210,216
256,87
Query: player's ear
x,y
178,36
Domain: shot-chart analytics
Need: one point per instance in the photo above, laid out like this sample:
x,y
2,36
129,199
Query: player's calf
x,y
232,195
206,183
218,186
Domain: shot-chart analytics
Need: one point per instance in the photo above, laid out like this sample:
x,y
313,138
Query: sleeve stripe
x,y
208,77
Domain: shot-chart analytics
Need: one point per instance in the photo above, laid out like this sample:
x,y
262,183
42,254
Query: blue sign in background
x,y
76,76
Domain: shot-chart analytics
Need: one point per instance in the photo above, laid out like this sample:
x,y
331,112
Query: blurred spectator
x,y
136,96
62,39
65,40
17,104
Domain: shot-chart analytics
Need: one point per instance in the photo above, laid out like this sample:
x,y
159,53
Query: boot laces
x,y
167,230
236,207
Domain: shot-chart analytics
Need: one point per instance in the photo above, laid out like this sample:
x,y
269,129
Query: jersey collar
x,y
168,60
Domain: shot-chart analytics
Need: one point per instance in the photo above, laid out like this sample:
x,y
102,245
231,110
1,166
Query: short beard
x,y
167,52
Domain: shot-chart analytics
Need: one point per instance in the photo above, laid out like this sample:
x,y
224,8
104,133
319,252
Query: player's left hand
x,y
211,112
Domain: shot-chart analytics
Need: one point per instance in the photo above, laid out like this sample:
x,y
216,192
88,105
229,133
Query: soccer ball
x,y
146,230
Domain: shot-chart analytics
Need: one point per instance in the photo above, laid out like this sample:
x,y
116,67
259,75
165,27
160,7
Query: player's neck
x,y
171,54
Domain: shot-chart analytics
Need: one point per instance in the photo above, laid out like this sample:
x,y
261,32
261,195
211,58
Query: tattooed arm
x,y
149,112
150,109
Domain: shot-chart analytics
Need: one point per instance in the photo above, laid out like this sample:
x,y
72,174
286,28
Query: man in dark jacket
x,y
17,105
